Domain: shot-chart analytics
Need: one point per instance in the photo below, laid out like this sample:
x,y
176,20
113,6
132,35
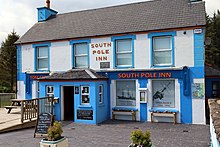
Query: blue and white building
x,y
139,56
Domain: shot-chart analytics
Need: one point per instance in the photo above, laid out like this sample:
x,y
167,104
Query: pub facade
x,y
117,58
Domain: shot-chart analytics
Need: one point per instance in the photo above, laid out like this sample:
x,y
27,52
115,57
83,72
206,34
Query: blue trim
x,y
143,106
72,42
161,34
199,49
19,62
35,46
114,39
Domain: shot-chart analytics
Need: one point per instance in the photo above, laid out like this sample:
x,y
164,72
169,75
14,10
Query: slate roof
x,y
211,71
75,74
135,17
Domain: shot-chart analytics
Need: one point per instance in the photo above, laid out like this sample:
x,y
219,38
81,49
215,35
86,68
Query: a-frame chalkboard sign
x,y
44,121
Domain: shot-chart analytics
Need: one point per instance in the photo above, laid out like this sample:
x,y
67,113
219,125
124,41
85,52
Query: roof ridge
x,y
120,5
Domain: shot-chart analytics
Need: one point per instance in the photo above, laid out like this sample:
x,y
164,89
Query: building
x,y
136,56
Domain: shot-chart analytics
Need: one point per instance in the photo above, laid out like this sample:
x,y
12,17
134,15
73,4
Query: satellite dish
x,y
208,41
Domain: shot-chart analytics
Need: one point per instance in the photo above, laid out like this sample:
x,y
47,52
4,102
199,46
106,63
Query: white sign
x,y
198,31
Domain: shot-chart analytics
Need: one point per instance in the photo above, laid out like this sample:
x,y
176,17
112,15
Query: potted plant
x,y
54,138
140,139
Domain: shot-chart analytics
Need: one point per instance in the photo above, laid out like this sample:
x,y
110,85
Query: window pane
x,y
42,51
81,61
164,93
162,43
42,63
123,45
125,93
85,99
81,48
162,57
124,59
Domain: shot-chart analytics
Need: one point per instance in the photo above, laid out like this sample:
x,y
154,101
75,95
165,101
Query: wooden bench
x,y
9,108
132,111
163,111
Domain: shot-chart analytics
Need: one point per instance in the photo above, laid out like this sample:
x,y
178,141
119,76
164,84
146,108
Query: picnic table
x,y
15,103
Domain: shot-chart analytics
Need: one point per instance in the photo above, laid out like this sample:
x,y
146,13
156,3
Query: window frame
x,y
135,90
75,42
174,99
81,99
214,82
114,39
153,35
101,93
36,59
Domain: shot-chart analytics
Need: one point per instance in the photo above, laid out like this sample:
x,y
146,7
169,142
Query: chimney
x,y
45,12
48,4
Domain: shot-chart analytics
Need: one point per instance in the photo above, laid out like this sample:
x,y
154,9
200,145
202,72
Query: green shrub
x,y
55,131
139,138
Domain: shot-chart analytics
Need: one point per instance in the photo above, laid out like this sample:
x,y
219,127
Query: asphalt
x,y
116,134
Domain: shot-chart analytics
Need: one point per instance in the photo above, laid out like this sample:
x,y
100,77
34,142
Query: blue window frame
x,y
162,49
80,54
124,51
42,56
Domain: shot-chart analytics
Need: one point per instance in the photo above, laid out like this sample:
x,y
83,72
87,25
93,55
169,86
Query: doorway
x,y
68,103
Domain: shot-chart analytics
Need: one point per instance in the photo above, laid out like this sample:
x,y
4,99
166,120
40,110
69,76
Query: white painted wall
x,y
184,48
94,64
60,56
198,107
142,52
21,90
27,58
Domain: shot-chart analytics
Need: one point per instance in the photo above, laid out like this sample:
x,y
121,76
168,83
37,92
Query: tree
x,y
8,61
213,32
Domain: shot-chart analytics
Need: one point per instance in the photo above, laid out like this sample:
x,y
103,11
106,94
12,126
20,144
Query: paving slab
x,y
116,134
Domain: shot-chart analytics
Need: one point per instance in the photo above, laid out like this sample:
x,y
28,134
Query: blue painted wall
x,y
143,106
199,49
99,111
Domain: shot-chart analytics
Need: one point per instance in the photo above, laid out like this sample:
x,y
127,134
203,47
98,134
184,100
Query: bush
x,y
139,138
55,131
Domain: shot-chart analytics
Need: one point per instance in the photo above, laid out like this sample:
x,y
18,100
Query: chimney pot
x,y
48,4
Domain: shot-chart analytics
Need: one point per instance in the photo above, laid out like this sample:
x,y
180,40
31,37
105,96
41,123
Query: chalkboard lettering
x,y
85,114
44,121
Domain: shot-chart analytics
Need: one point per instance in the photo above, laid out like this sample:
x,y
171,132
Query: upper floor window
x,y
42,56
162,51
124,51
81,55
162,48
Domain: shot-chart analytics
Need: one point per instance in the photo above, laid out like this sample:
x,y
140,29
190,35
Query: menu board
x,y
44,121
85,114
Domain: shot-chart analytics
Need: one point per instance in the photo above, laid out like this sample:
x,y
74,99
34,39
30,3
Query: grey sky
x,y
22,14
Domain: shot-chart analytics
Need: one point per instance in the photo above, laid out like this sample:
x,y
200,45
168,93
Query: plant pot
x,y
63,142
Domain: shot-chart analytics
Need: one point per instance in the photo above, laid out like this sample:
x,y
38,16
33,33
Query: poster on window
x,y
164,93
198,91
126,93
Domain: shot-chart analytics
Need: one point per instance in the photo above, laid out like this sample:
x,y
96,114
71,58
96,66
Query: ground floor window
x,y
163,93
85,95
125,93
50,91
216,89
100,94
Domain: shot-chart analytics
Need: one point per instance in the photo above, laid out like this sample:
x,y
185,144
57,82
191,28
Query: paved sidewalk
x,y
116,134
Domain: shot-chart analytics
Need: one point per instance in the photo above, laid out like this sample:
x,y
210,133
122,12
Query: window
x,y
126,93
81,55
216,89
163,93
50,91
42,58
38,89
100,94
162,51
85,95
123,52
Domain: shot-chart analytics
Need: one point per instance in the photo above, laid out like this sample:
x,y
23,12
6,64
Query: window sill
x,y
85,106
